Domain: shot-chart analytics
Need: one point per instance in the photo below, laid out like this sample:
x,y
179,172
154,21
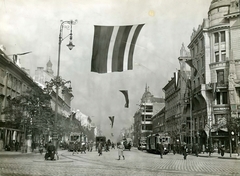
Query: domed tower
x,y
49,67
217,10
147,96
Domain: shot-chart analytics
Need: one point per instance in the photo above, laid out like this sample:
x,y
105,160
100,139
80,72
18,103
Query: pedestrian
x,y
120,151
185,150
75,147
50,151
33,146
100,146
87,146
222,150
41,148
113,146
83,149
90,146
16,146
106,147
174,149
196,149
160,149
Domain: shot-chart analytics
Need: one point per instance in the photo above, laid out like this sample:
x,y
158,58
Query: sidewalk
x,y
3,152
36,155
226,155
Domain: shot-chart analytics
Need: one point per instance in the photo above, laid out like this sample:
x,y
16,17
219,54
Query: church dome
x,y
49,67
147,96
49,64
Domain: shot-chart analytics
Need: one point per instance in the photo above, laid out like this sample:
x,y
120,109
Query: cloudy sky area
x,y
33,25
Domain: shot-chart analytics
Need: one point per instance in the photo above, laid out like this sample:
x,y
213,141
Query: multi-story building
x,y
158,122
14,81
149,106
87,126
42,78
177,116
215,54
64,97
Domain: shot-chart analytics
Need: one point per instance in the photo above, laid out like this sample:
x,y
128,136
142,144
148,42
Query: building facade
x,y
158,122
14,81
215,65
143,125
177,115
65,96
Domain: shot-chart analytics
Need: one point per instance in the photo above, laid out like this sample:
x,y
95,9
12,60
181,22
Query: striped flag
x,y
125,93
113,48
112,120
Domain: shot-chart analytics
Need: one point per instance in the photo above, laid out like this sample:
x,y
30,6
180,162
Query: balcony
x,y
146,131
147,122
222,84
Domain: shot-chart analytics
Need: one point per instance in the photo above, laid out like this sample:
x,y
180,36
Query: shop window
x,y
216,37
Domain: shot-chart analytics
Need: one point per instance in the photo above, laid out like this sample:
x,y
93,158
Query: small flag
x,y
112,120
190,63
125,93
113,48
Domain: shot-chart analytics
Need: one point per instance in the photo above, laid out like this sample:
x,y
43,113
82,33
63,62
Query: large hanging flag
x,y
112,120
113,48
125,93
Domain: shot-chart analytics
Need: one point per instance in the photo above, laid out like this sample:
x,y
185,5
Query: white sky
x,y
33,25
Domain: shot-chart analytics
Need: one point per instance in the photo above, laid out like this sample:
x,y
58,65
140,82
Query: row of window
x,y
13,83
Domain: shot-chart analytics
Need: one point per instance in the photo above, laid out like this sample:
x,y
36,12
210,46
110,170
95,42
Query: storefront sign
x,y
221,108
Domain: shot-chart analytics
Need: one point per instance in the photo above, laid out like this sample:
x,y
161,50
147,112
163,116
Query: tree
x,y
31,110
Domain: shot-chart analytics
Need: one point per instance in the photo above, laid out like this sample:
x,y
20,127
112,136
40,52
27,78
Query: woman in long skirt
x,y
120,150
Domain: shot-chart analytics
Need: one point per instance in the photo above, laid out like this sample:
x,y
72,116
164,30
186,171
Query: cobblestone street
x,y
136,163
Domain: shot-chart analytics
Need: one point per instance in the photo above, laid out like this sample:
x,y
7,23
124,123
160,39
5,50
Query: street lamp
x,y
58,81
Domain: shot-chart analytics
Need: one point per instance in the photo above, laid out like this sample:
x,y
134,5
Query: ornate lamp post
x,y
58,81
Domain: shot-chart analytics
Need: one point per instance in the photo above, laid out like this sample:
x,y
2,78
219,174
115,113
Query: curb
x,y
207,156
233,158
54,161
